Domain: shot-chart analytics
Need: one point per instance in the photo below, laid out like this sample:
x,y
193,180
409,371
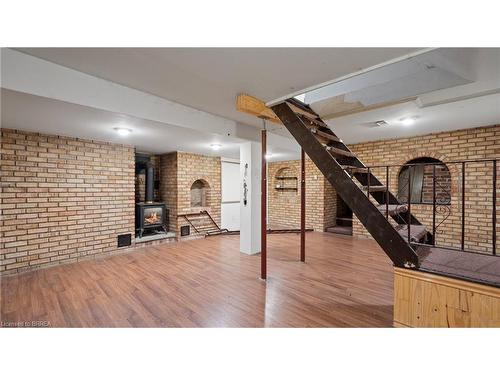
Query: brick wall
x,y
168,187
442,176
284,205
62,198
477,143
179,171
330,205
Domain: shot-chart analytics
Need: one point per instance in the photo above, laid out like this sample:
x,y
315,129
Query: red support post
x,y
263,213
302,206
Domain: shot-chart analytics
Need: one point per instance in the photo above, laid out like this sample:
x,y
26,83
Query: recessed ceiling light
x,y
381,123
215,146
123,131
408,121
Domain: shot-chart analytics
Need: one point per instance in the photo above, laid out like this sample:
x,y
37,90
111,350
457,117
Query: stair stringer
x,y
396,248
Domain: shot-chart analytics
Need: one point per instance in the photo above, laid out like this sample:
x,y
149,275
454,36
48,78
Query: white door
x,y
230,205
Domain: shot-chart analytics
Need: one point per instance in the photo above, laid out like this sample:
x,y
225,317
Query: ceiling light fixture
x,y
381,123
408,121
215,146
123,131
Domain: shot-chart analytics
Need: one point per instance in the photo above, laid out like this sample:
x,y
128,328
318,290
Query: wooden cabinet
x,y
426,300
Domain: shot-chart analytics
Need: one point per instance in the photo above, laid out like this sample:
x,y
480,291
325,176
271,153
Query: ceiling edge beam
x,y
353,74
31,75
367,108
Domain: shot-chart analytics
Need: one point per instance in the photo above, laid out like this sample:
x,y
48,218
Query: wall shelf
x,y
284,180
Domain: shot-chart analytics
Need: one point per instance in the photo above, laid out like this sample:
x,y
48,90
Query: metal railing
x,y
442,202
213,229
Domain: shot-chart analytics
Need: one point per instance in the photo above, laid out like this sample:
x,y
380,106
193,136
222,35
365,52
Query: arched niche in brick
x,y
422,170
286,180
200,193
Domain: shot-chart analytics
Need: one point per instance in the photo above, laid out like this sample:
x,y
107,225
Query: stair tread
x,y
310,122
417,232
353,169
301,110
375,188
323,134
393,208
338,151
339,230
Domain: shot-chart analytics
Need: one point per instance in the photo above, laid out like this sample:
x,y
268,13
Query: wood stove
x,y
151,216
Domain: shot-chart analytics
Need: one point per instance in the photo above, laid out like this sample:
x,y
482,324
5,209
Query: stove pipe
x,y
150,172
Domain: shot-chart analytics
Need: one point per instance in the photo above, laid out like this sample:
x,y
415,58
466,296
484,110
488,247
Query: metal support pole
x,y
263,207
434,205
302,206
494,216
463,207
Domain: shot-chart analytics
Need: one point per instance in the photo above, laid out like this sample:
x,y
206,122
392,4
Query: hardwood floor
x,y
345,282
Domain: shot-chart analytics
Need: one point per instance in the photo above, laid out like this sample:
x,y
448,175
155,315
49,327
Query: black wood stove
x,y
150,215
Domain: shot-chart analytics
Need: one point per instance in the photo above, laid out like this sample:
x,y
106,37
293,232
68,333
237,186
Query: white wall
x,y
250,172
230,203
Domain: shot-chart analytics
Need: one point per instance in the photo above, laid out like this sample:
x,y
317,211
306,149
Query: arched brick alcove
x,y
199,193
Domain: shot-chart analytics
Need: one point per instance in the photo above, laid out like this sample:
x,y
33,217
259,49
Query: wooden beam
x,y
255,107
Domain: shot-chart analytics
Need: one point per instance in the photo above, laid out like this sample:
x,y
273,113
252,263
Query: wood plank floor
x,y
345,282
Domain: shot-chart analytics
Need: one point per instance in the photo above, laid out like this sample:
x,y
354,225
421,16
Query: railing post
x,y
434,204
387,192
463,206
494,216
409,205
303,206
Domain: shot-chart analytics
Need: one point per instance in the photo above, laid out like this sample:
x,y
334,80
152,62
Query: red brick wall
x,y
470,144
284,205
63,199
443,183
330,205
168,187
179,171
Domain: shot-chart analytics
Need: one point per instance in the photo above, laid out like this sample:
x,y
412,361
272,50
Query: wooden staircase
x,y
369,199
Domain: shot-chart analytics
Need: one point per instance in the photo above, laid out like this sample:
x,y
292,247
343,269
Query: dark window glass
x,y
421,171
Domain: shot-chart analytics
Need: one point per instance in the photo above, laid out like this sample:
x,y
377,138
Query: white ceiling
x,y
463,114
38,114
469,105
210,78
